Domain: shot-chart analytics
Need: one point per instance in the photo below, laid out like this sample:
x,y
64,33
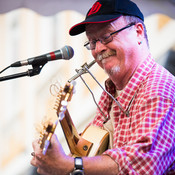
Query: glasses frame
x,y
88,45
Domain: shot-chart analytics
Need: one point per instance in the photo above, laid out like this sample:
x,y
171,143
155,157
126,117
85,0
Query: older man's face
x,y
117,58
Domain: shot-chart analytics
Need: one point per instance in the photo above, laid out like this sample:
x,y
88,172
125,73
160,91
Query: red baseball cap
x,y
106,11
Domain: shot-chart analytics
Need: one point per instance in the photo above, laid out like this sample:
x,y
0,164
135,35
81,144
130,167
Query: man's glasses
x,y
90,45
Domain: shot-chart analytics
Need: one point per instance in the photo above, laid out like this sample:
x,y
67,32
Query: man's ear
x,y
140,30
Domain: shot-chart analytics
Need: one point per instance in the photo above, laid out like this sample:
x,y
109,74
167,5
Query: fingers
x,y
33,162
37,160
54,139
36,154
40,163
54,156
55,144
40,171
43,172
32,153
35,144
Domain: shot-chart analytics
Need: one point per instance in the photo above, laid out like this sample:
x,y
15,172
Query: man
x,y
143,125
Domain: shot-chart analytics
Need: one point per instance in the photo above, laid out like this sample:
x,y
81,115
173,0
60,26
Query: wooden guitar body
x,y
99,139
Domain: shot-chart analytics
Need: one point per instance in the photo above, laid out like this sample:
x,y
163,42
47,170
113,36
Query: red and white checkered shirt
x,y
144,142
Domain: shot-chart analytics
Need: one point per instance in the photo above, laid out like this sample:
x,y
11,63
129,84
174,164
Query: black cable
x,y
5,69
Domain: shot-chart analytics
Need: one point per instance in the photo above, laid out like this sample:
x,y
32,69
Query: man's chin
x,y
113,71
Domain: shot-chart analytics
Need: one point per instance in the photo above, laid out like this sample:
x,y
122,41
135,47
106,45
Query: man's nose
x,y
99,47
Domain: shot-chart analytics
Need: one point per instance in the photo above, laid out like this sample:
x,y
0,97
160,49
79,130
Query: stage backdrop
x,y
30,28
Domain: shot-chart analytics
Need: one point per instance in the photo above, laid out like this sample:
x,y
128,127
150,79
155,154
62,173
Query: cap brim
x,y
80,27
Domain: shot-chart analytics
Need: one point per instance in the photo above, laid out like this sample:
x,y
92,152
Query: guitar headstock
x,y
63,96
62,100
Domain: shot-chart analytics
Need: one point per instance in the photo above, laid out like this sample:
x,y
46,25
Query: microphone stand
x,y
30,72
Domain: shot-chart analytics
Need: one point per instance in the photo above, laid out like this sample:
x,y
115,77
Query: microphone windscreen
x,y
68,52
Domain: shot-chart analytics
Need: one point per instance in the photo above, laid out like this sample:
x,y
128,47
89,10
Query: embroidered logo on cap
x,y
95,8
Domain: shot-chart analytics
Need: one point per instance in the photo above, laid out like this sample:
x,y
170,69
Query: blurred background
x,y
29,28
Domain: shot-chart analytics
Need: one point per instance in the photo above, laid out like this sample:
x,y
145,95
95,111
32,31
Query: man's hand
x,y
55,160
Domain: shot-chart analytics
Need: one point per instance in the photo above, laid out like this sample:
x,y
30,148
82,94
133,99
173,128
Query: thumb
x,y
55,145
54,139
55,142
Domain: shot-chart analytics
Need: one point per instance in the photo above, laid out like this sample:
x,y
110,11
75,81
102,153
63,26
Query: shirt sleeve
x,y
151,146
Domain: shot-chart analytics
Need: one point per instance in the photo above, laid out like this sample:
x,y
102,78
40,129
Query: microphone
x,y
64,53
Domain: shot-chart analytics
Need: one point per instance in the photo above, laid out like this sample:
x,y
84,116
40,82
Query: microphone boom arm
x,y
30,72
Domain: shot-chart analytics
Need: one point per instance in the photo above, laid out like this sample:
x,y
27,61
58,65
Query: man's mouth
x,y
104,55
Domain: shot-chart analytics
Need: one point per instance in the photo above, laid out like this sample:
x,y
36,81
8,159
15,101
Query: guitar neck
x,y
69,130
74,140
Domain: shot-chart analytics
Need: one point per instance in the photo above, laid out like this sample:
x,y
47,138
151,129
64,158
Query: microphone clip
x,y
36,70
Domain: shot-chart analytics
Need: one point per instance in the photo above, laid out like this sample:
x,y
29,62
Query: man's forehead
x,y
98,27
92,27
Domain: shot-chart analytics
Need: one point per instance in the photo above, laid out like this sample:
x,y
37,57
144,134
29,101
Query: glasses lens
x,y
87,45
90,45
106,40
